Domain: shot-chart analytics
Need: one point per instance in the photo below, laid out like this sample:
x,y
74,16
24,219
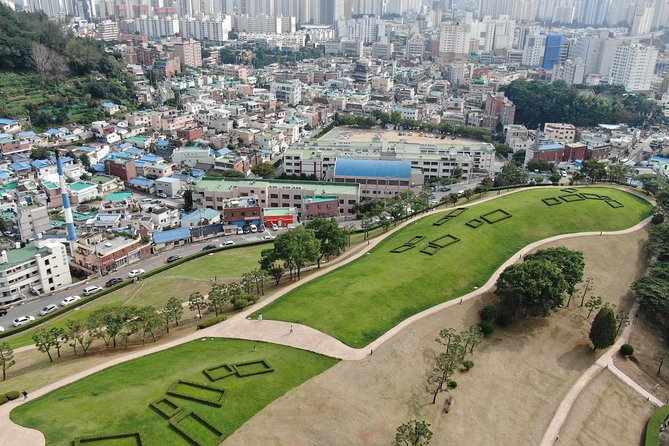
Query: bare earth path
x,y
278,332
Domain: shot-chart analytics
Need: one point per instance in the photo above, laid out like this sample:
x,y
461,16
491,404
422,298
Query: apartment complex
x,y
560,133
41,266
633,67
189,52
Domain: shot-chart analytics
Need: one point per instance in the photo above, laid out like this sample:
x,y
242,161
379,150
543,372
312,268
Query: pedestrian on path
x,y
25,395
260,317
291,328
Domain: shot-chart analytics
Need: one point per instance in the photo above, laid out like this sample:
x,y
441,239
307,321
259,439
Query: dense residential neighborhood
x,y
356,198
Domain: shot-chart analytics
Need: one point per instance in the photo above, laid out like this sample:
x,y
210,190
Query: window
x,y
273,195
297,197
50,280
285,196
46,262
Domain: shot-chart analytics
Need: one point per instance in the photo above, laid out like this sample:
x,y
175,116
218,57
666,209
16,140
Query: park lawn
x,y
180,281
116,400
362,300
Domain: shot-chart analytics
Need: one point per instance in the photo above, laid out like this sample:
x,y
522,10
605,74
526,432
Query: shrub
x,y
657,219
468,364
210,322
504,319
12,395
452,385
3,400
488,313
487,328
626,350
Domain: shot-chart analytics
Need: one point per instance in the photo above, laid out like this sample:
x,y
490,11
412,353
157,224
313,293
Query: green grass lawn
x,y
359,302
116,400
180,281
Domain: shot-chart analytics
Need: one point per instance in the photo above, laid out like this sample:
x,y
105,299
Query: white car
x,y
70,300
228,243
2,329
48,309
135,273
92,290
22,320
267,237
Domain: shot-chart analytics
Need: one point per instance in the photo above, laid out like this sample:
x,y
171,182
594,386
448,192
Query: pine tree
x,y
603,330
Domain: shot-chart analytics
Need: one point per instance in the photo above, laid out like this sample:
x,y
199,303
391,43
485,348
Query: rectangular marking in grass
x,y
589,196
402,248
442,220
196,429
430,249
129,439
250,368
569,190
495,216
475,223
415,240
571,198
552,201
456,212
614,204
444,241
199,392
219,371
166,408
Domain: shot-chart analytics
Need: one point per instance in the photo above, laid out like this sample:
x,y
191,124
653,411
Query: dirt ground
x,y
509,397
358,135
608,406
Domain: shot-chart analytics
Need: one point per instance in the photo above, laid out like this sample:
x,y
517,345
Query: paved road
x,y
155,261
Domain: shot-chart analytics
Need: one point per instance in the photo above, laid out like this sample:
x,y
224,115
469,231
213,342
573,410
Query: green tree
x,y
297,248
536,285
594,170
39,153
332,238
6,358
654,184
173,310
538,164
148,320
445,365
603,330
77,332
511,175
264,170
43,341
232,173
659,240
570,262
196,301
217,298
108,323
593,303
618,172
468,193
652,291
413,433
453,197
85,160
271,264
59,337
188,200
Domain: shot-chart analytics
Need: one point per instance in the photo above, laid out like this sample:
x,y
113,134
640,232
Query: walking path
x,y
603,362
240,326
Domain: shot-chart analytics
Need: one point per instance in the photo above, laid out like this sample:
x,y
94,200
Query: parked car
x,y
261,227
228,243
253,228
171,259
208,247
2,329
246,230
3,311
22,320
92,290
136,272
162,195
48,309
267,237
70,300
113,281
274,227
240,231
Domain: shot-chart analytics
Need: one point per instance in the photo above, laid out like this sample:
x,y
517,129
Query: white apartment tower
x,y
454,38
633,67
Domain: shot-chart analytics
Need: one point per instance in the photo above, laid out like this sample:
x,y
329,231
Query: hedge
x,y
173,390
3,400
267,368
109,438
654,425
219,372
174,422
210,322
12,395
125,283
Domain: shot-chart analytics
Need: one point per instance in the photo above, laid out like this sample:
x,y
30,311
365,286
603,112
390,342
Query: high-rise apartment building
x,y
189,52
633,67
534,50
454,39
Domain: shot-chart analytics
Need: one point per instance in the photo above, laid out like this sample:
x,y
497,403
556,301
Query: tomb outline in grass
x,y
213,376
267,368
408,245
448,216
505,215
614,204
591,196
172,391
105,438
569,190
475,223
551,201
156,405
452,238
430,249
571,198
174,423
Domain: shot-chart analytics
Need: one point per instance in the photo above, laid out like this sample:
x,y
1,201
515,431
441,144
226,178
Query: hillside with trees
x,y
53,77
537,103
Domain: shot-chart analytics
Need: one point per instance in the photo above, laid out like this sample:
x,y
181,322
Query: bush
x,y
210,322
12,395
3,400
240,303
504,319
657,219
468,364
487,328
626,350
488,313
452,385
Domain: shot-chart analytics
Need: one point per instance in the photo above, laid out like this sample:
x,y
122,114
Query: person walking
x,y
291,328
25,395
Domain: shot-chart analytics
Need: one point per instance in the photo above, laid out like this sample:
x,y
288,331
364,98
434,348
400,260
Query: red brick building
x,y
242,215
599,153
123,169
190,134
574,151
321,207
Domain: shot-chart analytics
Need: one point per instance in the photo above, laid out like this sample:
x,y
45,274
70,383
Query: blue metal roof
x,y
200,213
41,164
5,121
171,235
20,166
141,181
151,158
346,167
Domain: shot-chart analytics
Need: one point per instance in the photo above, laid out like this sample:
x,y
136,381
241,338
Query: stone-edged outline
x,y
475,223
449,216
551,201
615,204
572,198
268,368
430,250
453,239
216,403
408,245
591,196
91,440
156,406
569,190
174,423
506,215
208,372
